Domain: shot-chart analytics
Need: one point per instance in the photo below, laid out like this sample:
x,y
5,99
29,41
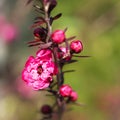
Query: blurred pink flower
x,y
24,90
8,31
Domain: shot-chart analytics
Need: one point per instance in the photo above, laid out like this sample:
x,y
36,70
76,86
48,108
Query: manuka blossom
x,y
58,36
65,90
76,46
73,96
38,73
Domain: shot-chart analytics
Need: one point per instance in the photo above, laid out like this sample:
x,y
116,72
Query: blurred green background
x,y
96,79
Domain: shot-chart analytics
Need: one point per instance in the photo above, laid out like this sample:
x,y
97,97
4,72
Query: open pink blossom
x,y
58,36
65,90
76,46
73,96
38,73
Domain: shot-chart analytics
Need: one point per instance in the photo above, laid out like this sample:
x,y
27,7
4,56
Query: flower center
x,y
39,69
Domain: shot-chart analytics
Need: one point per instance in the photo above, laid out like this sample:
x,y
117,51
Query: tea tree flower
x,y
65,90
58,36
38,72
76,46
73,96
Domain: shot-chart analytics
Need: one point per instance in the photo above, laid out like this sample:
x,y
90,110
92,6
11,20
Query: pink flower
x,y
50,67
65,90
24,90
76,46
38,73
39,84
73,96
58,36
8,31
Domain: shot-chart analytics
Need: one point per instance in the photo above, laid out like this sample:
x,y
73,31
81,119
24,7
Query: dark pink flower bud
x,y
46,109
73,96
65,90
40,33
76,46
58,36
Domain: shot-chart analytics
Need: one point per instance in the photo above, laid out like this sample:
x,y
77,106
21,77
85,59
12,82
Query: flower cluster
x,y
39,70
45,70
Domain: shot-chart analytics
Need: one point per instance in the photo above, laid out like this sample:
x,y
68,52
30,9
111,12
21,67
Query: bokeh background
x,y
96,79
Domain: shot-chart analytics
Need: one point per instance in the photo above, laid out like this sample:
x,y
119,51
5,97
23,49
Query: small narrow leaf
x,y
40,18
68,62
57,16
34,41
37,24
71,38
32,45
65,29
79,104
81,56
28,2
73,61
39,8
67,71
46,45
